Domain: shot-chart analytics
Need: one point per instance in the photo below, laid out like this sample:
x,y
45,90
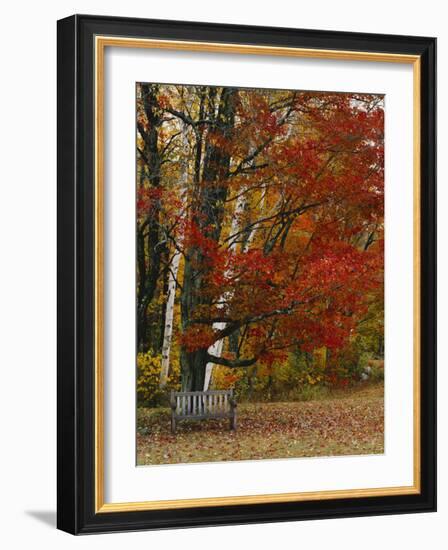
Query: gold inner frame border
x,y
100,44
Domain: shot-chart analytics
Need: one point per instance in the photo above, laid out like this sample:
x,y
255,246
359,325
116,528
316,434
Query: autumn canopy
x,y
259,224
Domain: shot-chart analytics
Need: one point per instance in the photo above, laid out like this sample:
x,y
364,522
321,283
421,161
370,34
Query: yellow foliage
x,y
148,377
225,378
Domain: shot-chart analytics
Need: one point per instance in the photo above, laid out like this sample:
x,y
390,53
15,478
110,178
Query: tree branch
x,y
231,363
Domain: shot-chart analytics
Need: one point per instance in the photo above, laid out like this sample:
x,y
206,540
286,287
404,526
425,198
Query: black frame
x,y
75,403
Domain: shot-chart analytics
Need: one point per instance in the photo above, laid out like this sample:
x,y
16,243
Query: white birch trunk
x,y
169,318
216,348
172,283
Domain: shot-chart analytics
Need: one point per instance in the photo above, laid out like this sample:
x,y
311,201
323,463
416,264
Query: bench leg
x,y
233,420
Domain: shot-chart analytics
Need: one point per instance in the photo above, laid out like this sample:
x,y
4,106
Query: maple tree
x,y
261,213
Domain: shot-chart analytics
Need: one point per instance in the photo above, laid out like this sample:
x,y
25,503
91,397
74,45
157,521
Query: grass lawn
x,y
349,422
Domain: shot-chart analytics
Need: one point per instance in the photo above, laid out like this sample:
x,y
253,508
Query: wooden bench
x,y
200,405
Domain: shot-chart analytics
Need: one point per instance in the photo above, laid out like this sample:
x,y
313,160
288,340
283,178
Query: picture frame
x,y
82,42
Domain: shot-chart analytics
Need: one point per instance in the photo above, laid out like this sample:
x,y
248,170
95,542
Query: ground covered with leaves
x,y
346,423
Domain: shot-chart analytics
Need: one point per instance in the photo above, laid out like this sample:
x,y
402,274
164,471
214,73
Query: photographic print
x,y
242,273
260,288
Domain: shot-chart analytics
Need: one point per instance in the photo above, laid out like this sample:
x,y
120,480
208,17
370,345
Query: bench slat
x,y
208,392
199,405
205,416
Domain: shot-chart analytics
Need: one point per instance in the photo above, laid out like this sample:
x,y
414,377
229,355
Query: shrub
x,y
148,379
377,372
344,368
280,381
224,378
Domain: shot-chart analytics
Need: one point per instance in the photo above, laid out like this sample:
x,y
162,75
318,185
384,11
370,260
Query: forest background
x,y
259,240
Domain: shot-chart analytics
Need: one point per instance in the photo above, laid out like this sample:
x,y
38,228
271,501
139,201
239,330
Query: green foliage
x,y
377,372
344,367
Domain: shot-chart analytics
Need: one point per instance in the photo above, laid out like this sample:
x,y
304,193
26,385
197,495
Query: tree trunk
x,y
169,318
149,245
208,216
216,348
172,277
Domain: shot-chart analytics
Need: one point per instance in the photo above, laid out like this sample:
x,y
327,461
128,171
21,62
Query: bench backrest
x,y
201,403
